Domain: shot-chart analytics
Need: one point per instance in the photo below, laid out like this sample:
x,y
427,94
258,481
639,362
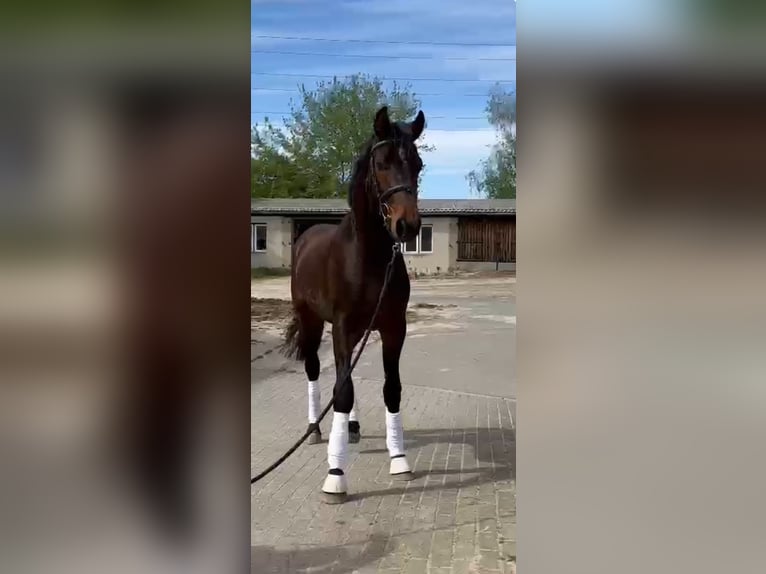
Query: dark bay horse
x,y
337,275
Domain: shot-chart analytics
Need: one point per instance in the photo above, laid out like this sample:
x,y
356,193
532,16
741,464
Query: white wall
x,y
444,254
278,240
443,259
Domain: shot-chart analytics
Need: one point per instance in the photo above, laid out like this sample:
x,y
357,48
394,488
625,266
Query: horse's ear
x,y
382,123
418,124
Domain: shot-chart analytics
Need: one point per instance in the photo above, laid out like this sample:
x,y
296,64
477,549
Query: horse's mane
x,y
359,171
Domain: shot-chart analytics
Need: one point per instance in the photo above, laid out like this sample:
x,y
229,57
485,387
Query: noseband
x,y
383,197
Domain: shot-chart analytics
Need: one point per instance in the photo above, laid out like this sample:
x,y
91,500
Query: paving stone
x,y
441,549
489,560
463,566
487,541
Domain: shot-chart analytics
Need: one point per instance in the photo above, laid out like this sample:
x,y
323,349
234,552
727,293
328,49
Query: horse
x,y
337,275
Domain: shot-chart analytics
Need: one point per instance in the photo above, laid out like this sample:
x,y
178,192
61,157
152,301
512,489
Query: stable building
x,y
464,234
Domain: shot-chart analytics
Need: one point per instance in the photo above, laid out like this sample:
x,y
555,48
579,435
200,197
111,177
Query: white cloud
x,y
457,151
440,9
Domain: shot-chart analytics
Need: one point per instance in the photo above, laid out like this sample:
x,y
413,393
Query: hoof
x,y
400,469
316,435
335,488
354,432
334,498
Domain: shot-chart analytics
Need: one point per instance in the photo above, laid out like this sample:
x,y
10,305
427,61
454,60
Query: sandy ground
x,y
461,334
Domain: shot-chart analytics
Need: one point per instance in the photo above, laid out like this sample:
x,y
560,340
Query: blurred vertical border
x,y
124,286
641,281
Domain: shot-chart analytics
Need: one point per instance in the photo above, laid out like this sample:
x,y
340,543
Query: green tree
x,y
312,155
496,177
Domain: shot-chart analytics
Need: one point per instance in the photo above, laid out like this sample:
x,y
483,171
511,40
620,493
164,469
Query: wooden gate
x,y
487,240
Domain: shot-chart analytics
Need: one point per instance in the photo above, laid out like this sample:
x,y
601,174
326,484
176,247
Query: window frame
x,y
254,237
419,242
417,246
420,239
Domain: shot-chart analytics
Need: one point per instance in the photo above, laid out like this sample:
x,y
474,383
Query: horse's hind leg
x,y
312,328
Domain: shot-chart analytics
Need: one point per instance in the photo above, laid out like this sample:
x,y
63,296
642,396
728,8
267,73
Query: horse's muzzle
x,y
405,231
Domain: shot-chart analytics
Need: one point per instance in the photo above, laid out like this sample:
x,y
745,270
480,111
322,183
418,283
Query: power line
x,y
379,77
395,42
290,90
287,113
382,56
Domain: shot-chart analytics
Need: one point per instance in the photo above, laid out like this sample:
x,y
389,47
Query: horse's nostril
x,y
401,228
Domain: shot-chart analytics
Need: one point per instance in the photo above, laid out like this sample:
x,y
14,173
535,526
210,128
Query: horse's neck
x,y
373,241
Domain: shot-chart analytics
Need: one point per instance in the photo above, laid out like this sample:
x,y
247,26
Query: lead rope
x,y
346,376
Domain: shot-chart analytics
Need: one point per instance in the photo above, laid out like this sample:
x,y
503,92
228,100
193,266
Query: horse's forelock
x,y
402,132
403,128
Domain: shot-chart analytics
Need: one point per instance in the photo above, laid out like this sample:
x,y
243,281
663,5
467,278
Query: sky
x,y
461,76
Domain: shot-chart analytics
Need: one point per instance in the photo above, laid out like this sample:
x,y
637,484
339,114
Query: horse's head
x,y
394,169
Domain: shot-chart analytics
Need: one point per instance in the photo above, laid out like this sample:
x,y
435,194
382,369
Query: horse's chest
x,y
394,302
364,297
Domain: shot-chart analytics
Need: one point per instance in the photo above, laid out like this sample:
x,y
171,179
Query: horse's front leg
x,y
392,337
335,485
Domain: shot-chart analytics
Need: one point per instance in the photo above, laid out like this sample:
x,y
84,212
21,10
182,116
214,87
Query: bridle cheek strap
x,y
384,208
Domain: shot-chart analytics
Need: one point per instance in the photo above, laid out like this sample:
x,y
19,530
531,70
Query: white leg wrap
x,y
314,400
352,414
337,445
394,434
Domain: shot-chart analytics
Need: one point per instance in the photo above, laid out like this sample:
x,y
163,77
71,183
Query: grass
x,y
266,272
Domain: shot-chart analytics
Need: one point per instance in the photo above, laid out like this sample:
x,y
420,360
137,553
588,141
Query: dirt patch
x,y
270,309
268,272
274,313
492,274
431,306
423,311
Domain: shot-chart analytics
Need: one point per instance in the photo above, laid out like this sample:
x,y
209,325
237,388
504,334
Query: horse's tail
x,y
292,347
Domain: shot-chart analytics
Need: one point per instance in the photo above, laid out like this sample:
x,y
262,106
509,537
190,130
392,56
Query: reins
x,y
346,375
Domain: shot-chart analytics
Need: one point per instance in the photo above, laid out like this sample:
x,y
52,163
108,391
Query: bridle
x,y
383,197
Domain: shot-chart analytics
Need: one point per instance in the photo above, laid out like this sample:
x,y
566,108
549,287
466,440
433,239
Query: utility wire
x,y
257,112
382,56
287,75
289,90
394,42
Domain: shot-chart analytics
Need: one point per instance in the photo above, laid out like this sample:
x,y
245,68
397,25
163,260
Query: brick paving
x,y
458,515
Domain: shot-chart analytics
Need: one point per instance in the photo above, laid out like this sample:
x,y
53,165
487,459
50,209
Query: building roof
x,y
339,206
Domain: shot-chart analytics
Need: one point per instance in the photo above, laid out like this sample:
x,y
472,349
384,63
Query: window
x,y
257,237
411,246
423,243
427,239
